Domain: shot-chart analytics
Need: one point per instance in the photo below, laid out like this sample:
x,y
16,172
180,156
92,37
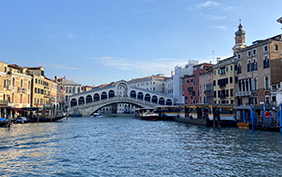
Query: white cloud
x,y
157,65
213,17
208,4
58,66
221,27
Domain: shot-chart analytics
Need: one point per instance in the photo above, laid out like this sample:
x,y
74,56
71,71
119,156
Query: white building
x,y
153,83
179,72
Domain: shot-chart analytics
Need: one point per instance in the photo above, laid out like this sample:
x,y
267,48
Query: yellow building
x,y
40,92
225,81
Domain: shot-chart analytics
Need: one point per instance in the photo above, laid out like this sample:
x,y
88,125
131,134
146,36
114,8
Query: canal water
x,y
124,146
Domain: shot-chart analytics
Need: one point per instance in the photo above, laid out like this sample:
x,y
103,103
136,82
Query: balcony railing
x,y
244,93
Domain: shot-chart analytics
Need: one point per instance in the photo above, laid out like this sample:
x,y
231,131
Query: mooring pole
x,y
264,110
280,117
244,116
252,117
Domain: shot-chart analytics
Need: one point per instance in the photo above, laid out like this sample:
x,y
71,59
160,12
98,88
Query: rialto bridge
x,y
121,92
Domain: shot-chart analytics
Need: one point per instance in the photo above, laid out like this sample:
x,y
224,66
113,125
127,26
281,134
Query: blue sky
x,y
98,41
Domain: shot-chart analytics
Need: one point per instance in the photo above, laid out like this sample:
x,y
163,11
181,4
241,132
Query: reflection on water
x,y
124,146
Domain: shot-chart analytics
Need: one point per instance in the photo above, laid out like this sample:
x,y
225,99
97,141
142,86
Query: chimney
x,y
217,60
56,78
210,62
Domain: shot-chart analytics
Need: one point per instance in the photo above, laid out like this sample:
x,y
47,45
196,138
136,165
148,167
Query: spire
x,y
240,32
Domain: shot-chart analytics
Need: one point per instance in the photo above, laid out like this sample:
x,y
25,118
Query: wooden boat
x,y
244,125
44,119
21,120
3,122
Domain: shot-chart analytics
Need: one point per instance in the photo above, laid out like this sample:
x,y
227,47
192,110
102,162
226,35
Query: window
x,y
231,92
218,71
265,48
276,48
266,83
13,82
5,69
249,53
255,84
4,83
255,67
236,79
227,93
250,66
214,83
254,51
231,68
214,94
231,80
214,72
239,69
226,68
239,56
21,83
265,62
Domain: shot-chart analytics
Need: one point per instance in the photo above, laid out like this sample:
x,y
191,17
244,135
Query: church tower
x,y
239,39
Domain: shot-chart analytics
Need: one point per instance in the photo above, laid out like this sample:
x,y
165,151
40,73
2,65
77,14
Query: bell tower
x,y
239,39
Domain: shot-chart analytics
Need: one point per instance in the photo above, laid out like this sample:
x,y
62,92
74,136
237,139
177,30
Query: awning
x,y
31,109
16,109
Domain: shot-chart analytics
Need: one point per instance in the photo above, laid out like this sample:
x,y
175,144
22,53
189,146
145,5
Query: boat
x,y
146,114
44,119
3,122
20,120
167,112
267,124
95,115
216,115
244,125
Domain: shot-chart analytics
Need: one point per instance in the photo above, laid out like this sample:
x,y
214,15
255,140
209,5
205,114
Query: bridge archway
x,y
155,99
147,97
111,94
133,94
73,102
168,102
140,96
162,101
96,97
81,100
88,99
103,96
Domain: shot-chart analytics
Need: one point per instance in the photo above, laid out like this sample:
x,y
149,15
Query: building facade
x,y
225,81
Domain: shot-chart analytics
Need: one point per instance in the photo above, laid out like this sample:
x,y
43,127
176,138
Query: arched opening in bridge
x,y
111,94
103,95
140,96
161,101
147,97
81,100
155,99
73,102
133,94
168,102
96,97
88,99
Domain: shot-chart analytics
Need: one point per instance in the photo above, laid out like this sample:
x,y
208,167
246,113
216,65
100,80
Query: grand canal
x,y
124,146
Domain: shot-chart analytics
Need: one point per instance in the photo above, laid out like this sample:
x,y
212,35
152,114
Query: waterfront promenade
x,y
124,146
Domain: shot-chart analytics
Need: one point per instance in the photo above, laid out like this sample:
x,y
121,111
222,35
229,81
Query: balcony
x,y
22,90
243,93
10,87
208,92
222,97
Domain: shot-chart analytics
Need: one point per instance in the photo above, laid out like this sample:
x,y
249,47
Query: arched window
x,y
88,99
111,94
161,101
81,100
103,96
133,94
155,99
147,97
140,96
21,83
29,85
96,97
67,90
255,65
73,102
13,82
73,90
168,102
265,62
239,69
67,98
